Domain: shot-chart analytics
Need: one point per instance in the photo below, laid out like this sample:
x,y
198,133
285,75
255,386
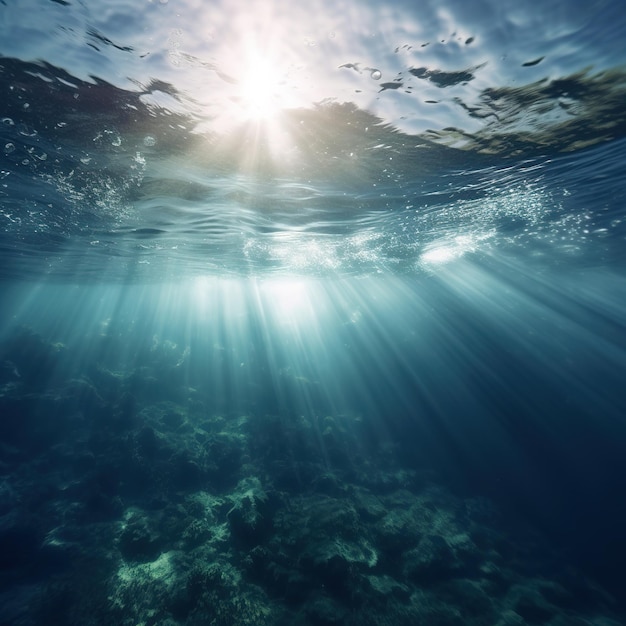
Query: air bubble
x,y
7,121
149,141
26,131
376,74
117,141
8,148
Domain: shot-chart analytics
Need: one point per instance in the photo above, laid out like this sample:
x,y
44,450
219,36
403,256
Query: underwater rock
x,y
123,416
385,589
216,594
250,518
147,442
470,596
430,561
185,471
317,541
531,605
138,541
511,618
224,453
325,611
33,358
172,420
187,518
427,608
398,530
80,395
57,553
369,506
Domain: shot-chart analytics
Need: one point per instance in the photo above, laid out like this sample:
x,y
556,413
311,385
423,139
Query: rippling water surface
x,y
353,139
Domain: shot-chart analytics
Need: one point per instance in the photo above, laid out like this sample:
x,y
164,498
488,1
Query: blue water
x,y
268,268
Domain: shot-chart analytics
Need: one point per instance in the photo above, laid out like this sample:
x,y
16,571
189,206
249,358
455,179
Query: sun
x,y
262,89
263,95
246,109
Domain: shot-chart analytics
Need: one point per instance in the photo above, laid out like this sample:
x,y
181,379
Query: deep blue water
x,y
293,247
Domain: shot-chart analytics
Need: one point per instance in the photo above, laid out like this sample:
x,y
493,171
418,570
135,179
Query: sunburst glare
x,y
262,90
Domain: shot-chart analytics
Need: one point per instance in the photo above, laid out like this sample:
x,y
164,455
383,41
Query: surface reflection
x,y
345,139
412,65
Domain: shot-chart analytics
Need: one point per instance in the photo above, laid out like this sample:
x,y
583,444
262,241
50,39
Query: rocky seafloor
x,y
124,499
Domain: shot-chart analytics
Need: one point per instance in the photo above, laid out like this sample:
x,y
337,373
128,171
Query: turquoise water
x,y
312,314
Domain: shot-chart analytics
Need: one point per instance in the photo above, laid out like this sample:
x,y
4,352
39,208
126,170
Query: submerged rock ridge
x,y
126,498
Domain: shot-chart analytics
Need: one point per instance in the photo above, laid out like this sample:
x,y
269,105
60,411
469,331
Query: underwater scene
x,y
312,314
